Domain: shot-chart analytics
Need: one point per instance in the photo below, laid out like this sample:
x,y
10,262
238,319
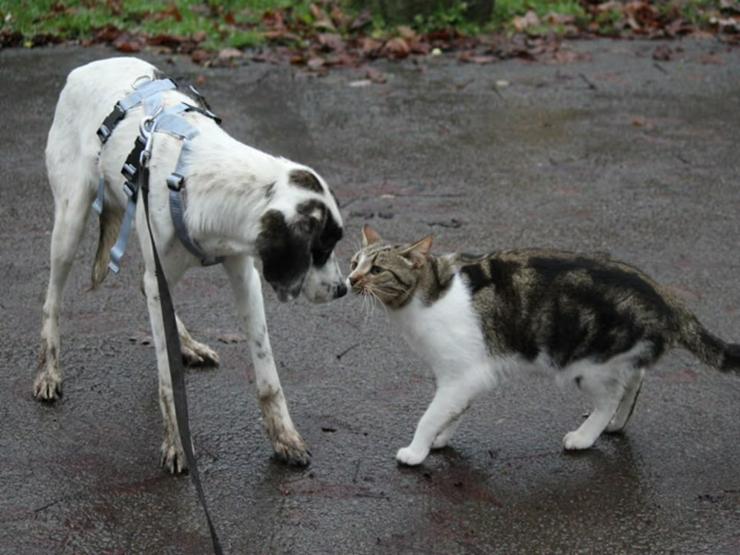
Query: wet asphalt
x,y
615,152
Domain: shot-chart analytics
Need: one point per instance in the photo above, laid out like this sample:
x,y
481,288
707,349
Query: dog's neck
x,y
230,186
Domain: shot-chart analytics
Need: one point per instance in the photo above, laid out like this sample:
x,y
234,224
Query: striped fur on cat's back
x,y
590,319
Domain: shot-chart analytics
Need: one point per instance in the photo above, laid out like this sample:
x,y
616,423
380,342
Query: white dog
x,y
242,204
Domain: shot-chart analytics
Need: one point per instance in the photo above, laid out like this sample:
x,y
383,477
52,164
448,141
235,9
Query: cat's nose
x,y
353,279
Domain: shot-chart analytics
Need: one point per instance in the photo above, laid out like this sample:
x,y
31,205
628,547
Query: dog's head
x,y
298,232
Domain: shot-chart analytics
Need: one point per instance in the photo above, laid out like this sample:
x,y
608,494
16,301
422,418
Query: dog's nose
x,y
340,291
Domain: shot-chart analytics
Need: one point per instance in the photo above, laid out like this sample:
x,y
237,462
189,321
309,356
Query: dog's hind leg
x,y
72,206
173,457
195,353
246,283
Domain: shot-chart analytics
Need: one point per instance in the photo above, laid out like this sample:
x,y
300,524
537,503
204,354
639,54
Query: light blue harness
x,y
157,119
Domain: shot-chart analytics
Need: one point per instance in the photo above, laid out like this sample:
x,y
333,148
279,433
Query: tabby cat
x,y
593,320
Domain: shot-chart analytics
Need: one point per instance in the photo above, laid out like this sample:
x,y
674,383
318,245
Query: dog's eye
x,y
375,269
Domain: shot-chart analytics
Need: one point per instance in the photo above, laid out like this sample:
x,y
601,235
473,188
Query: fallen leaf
x,y
330,41
663,53
376,76
171,41
230,53
231,338
529,20
200,56
127,43
396,48
315,63
471,57
406,32
370,47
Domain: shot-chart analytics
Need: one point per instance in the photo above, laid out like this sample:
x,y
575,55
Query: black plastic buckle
x,y
103,133
129,171
109,123
175,181
130,189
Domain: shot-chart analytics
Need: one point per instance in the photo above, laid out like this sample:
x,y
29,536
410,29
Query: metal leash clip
x,y
147,127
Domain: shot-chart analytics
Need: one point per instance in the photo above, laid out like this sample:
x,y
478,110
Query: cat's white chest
x,y
446,333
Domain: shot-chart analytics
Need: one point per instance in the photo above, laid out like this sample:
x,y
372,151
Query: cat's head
x,y
389,273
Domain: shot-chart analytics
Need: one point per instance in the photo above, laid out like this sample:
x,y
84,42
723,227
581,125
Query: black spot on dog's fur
x,y
306,180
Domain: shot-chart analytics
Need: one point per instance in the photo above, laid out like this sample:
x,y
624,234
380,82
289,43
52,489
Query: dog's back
x,y
88,96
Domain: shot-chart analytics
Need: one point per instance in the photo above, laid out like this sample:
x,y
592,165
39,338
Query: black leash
x,y
177,372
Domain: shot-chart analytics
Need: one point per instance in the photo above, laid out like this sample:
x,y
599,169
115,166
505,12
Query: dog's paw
x,y
291,449
196,354
411,457
47,387
576,441
173,458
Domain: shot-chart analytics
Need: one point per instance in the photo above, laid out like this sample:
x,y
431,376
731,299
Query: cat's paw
x,y
410,457
574,441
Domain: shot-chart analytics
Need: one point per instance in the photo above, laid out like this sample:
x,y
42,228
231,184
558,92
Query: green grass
x,y
238,23
225,23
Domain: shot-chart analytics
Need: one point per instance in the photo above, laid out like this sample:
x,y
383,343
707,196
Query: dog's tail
x,y
110,225
709,348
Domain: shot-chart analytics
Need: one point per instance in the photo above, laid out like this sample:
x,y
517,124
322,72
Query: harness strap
x,y
134,99
130,171
171,121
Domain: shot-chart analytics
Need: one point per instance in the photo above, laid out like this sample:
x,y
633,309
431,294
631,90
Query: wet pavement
x,y
615,153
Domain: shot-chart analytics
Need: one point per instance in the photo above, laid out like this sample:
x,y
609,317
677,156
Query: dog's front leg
x,y
247,286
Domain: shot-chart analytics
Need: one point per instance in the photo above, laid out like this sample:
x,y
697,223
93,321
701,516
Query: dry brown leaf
x,y
128,43
528,20
396,48
330,41
376,76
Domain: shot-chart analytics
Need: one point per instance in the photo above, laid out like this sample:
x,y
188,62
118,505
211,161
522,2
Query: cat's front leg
x,y
449,402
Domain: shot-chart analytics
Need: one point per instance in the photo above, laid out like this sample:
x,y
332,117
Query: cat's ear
x,y
369,236
418,252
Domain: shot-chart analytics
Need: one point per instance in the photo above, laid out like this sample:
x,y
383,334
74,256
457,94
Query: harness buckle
x,y
129,171
130,189
106,128
175,181
103,133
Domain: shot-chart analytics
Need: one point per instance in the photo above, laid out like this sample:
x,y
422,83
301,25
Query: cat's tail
x,y
709,348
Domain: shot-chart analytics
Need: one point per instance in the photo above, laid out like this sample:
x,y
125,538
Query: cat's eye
x,y
375,269
353,265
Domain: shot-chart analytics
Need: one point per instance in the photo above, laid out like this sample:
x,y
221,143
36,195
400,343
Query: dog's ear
x,y
284,250
369,236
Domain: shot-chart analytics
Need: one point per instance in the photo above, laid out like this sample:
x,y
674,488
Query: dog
x,y
255,211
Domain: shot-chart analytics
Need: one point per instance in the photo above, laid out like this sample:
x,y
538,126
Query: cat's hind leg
x,y
627,404
606,390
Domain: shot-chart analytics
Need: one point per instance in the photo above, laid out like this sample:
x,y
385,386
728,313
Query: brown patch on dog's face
x,y
306,180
